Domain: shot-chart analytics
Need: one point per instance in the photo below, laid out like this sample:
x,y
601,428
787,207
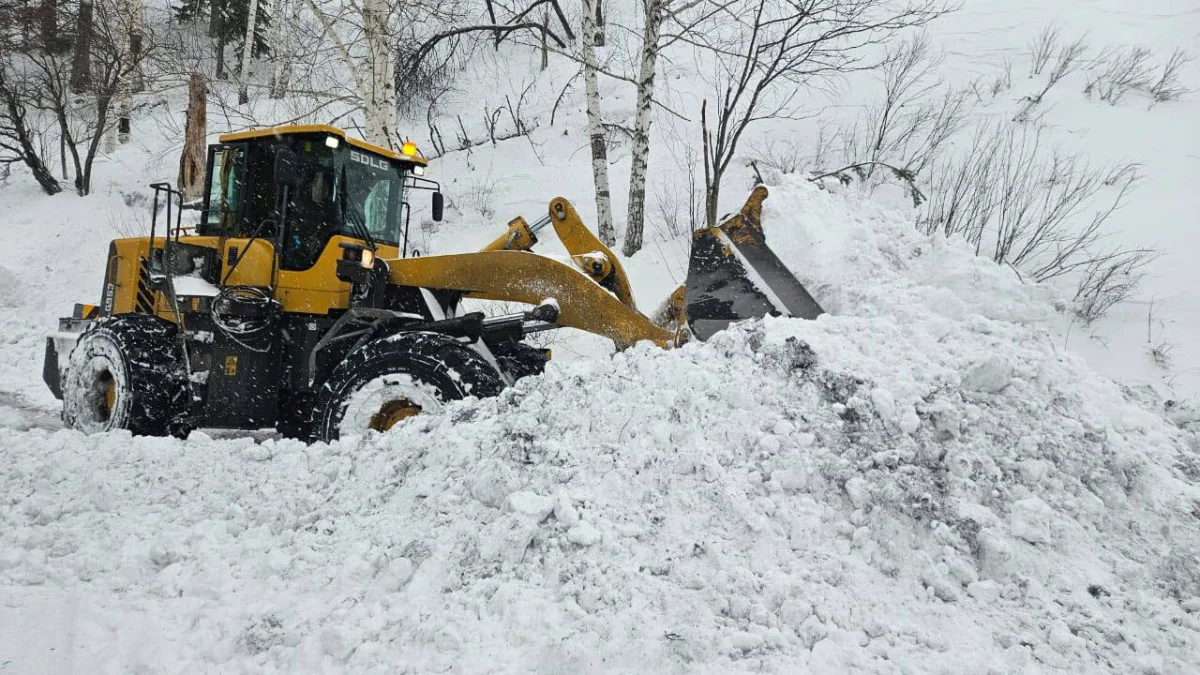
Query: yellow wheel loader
x,y
294,301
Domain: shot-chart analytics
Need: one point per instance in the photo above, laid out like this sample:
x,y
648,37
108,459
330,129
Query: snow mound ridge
x,y
920,483
841,495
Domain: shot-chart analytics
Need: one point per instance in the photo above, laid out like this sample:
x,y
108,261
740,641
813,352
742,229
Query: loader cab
x,y
298,187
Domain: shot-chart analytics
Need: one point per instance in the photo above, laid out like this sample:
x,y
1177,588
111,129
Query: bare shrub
x,y
480,194
1066,60
1003,82
1108,280
988,90
1159,349
1042,48
680,205
678,194
1162,354
1167,87
896,139
785,157
1120,71
1041,211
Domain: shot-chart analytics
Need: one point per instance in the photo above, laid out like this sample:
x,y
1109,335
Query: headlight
x,y
368,259
418,170
332,142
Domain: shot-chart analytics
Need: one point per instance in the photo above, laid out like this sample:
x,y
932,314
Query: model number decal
x,y
370,161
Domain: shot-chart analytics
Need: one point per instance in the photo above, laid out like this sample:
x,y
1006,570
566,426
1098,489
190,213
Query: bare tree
x,y
598,142
635,220
285,23
380,44
128,36
775,50
23,132
247,51
654,41
84,118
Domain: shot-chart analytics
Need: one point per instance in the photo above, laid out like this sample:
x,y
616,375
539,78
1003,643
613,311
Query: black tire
x,y
437,368
125,372
295,417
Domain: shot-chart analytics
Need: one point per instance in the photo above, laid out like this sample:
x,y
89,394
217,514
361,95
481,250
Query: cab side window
x,y
226,185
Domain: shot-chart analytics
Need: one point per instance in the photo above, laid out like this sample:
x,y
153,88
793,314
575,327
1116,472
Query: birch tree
x,y
379,42
379,102
247,51
636,216
279,75
683,22
126,25
598,143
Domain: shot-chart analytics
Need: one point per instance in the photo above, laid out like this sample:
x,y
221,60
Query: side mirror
x,y
287,168
438,206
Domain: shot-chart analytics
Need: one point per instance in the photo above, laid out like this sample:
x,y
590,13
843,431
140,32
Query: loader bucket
x,y
733,275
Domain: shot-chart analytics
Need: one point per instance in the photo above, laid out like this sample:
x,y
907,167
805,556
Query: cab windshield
x,y
342,191
338,190
373,189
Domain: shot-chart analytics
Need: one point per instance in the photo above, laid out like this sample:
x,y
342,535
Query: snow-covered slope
x,y
924,482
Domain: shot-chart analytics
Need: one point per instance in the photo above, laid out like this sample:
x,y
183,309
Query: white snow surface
x,y
921,482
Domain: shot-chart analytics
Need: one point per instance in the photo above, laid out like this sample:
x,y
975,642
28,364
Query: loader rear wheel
x,y
387,381
124,373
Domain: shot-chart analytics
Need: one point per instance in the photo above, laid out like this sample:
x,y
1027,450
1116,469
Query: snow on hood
x,y
922,482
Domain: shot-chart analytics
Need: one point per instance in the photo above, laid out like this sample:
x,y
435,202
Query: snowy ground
x,y
934,479
923,484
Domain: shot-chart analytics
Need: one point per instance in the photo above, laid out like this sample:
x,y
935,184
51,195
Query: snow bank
x,y
921,483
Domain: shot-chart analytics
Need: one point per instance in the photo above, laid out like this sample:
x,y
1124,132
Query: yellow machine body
x,y
261,335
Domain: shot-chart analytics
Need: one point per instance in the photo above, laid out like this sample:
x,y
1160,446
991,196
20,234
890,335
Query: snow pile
x,y
919,484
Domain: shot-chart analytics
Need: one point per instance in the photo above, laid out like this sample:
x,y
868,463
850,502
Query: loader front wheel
x,y
392,379
124,373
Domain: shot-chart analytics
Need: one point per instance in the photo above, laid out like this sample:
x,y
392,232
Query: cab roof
x,y
296,129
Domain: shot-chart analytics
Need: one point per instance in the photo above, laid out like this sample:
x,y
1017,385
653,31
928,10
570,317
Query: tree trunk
x,y
545,50
137,78
604,226
247,50
599,26
191,162
380,102
218,16
635,222
127,75
280,28
81,64
214,17
712,177
49,27
83,176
